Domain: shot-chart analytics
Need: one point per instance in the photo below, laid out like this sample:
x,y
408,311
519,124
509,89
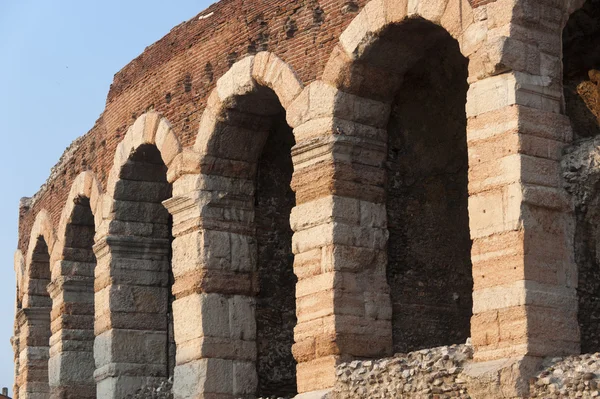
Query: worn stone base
x,y
323,394
504,378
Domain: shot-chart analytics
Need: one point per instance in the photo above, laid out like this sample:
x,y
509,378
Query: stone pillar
x,y
522,226
33,359
340,233
14,341
214,261
71,365
131,283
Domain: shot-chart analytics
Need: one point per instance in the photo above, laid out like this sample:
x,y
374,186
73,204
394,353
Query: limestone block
x,y
238,80
339,233
271,71
128,298
457,17
431,10
130,346
70,368
512,88
313,285
242,318
317,375
187,162
321,100
308,263
355,33
327,126
122,385
376,15
316,306
198,315
353,259
245,379
204,376
473,38
169,147
494,211
325,210
215,348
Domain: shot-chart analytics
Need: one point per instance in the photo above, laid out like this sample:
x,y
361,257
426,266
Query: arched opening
x,y
35,345
72,343
253,136
418,68
145,227
581,68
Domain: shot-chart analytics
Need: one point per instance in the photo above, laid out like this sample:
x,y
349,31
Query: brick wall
x,y
175,75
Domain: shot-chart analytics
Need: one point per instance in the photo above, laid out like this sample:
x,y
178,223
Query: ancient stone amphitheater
x,y
304,197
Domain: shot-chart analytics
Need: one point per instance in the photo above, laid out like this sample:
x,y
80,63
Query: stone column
x,y
33,359
214,260
340,224
522,226
71,364
131,283
14,341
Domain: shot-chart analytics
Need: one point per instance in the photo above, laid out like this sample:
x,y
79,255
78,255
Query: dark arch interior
x,y
276,301
581,62
141,189
418,67
39,324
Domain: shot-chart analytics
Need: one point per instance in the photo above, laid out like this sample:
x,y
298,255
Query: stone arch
x,y
148,129
33,320
243,142
42,227
133,275
245,77
343,164
350,68
340,127
71,365
85,186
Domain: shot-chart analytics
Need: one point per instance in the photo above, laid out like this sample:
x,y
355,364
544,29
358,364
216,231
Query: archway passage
x,y
139,194
429,271
71,354
35,333
581,63
248,150
134,280
276,301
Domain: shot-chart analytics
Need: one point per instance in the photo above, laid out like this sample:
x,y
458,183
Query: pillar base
x,y
323,394
502,378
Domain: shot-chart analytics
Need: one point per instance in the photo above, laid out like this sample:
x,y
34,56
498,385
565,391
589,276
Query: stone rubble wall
x,y
428,373
164,390
571,377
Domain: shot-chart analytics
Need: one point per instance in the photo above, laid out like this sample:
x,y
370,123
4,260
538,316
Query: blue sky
x,y
57,61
